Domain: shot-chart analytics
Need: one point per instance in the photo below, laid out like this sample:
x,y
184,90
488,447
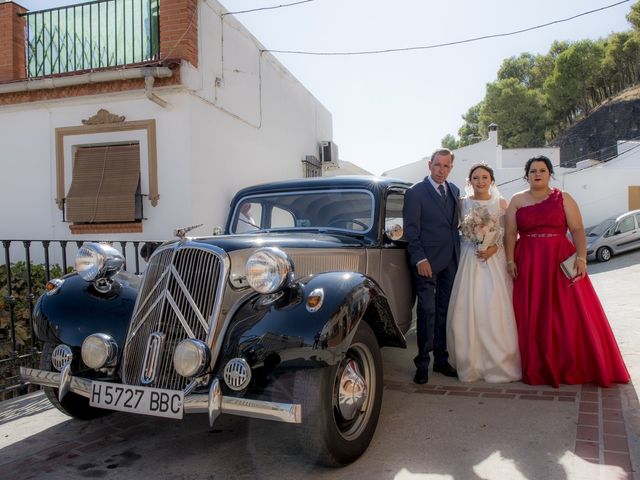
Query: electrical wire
x,y
448,44
266,8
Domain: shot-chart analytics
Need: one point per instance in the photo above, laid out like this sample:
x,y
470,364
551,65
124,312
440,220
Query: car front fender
x,y
279,330
77,310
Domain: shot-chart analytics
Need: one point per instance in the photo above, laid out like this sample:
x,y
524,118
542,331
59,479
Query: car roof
x,y
343,181
630,212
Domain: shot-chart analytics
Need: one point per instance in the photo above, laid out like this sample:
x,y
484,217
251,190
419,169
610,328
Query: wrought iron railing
x,y
92,35
26,267
311,166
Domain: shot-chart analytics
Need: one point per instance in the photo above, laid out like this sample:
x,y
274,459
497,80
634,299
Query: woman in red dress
x,y
563,333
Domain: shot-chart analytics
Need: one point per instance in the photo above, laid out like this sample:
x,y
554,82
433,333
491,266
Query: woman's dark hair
x,y
484,166
538,158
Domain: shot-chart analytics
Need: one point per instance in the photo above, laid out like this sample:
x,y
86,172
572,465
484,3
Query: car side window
x,y
638,219
626,225
248,217
281,218
393,221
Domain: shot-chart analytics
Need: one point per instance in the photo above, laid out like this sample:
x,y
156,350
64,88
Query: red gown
x,y
563,332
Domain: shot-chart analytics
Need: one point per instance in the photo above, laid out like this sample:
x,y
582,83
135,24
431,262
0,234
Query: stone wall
x,y
596,136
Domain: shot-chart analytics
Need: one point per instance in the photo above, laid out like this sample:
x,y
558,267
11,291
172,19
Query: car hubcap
x,y
352,391
354,387
606,254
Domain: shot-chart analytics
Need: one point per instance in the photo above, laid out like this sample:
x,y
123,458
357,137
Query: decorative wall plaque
x,y
103,117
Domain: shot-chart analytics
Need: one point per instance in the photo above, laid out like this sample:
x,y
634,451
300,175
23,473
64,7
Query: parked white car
x,y
614,235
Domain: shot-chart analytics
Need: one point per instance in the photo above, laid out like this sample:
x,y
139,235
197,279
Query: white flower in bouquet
x,y
479,227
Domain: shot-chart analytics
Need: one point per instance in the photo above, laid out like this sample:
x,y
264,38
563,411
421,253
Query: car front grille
x,y
177,300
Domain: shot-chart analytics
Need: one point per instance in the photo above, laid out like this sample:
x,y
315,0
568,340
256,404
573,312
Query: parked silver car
x,y
614,235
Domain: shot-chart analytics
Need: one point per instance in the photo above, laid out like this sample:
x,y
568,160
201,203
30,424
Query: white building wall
x,y
254,124
601,190
517,157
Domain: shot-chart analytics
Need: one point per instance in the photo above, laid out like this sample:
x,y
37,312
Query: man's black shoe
x,y
421,377
445,369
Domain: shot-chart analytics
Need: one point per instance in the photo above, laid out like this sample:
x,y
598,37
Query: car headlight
x,y
191,358
268,269
99,350
95,260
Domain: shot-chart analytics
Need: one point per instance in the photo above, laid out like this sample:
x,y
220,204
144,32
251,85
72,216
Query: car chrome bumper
x,y
213,403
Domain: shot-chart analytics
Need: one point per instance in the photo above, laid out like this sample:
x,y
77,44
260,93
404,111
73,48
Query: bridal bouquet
x,y
480,227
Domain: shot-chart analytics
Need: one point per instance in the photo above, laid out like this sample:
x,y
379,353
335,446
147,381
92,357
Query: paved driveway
x,y
443,430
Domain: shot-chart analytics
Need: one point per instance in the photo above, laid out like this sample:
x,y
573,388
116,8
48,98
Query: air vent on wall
x,y
329,153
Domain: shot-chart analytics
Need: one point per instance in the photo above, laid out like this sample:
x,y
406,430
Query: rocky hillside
x,y
595,137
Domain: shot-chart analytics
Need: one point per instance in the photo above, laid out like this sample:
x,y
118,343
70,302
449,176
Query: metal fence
x,y
311,166
24,271
92,35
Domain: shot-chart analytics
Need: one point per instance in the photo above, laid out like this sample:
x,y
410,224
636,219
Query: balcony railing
x,y
92,35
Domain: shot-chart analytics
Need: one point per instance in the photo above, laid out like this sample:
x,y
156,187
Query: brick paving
x,y
601,437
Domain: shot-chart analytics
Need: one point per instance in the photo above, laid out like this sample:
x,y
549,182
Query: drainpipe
x,y
149,80
94,77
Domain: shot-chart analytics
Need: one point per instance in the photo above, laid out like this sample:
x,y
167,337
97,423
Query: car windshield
x,y
346,210
602,227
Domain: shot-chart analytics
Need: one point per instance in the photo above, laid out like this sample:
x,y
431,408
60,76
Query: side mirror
x,y
394,232
217,231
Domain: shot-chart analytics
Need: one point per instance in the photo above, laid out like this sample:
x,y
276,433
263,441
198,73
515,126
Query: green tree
x,y
518,111
530,70
469,132
632,53
557,47
634,16
620,61
520,68
450,142
576,84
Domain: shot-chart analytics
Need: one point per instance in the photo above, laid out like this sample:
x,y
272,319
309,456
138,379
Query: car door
x,y
626,235
393,271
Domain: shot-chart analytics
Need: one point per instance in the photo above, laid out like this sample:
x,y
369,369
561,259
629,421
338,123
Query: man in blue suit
x,y
431,230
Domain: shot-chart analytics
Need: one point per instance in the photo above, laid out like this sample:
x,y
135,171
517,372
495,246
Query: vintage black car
x,y
280,318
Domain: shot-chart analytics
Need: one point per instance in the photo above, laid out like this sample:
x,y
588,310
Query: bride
x,y
481,330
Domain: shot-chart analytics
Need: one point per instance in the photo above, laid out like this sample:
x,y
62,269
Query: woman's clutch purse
x,y
568,266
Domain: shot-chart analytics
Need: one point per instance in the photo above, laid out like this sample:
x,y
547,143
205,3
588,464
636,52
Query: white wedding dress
x,y
481,329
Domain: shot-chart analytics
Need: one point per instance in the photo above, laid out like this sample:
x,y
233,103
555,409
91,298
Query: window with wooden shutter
x,y
106,184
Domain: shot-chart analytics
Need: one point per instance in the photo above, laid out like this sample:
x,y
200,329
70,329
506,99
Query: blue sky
x,y
392,109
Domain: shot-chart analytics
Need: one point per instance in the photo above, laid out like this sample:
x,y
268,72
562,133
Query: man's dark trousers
x,y
431,323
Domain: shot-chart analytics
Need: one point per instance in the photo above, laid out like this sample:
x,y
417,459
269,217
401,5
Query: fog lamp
x,y
99,350
191,358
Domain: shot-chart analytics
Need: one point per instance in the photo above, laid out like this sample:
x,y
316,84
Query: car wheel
x,y
603,254
341,404
72,404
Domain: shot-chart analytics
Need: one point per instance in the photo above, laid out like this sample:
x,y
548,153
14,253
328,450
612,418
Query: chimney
x,y
12,42
493,132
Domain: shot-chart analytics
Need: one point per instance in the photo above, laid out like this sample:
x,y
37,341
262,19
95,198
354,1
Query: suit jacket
x,y
430,228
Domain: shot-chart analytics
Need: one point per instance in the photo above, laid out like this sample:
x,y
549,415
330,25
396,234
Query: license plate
x,y
133,399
